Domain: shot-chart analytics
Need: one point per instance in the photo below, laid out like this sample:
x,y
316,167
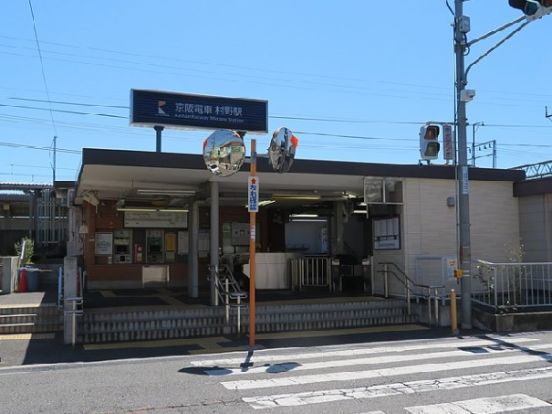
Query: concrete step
x,y
47,309
104,326
30,319
28,327
18,318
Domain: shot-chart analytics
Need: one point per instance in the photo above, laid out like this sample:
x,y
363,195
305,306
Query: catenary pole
x,y
460,41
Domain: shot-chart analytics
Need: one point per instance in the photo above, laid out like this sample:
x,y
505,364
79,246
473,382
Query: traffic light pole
x,y
462,166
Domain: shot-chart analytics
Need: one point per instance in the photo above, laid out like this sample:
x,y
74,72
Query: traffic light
x,y
532,8
429,142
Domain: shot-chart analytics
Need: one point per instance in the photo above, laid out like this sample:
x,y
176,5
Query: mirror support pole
x,y
214,245
158,130
252,247
193,242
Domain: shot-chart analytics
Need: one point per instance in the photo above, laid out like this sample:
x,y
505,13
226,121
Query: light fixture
x,y
147,191
153,209
91,198
359,211
262,203
308,220
296,196
303,215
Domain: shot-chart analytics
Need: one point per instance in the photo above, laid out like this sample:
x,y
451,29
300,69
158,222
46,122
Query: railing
x,y
311,271
228,291
511,286
412,290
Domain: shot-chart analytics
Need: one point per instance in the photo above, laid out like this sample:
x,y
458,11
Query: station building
x,y
150,218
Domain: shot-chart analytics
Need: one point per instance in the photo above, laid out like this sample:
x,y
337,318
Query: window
x,y
378,190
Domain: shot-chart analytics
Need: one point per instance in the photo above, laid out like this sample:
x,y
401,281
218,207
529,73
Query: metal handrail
x,y
228,289
431,296
74,312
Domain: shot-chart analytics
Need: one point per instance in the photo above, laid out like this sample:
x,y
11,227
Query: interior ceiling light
x,y
153,209
144,191
359,211
303,215
266,202
311,220
296,196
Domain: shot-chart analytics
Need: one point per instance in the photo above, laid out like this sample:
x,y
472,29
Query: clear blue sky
x,y
382,67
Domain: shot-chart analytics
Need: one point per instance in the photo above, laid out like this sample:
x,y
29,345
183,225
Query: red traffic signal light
x,y
429,144
531,8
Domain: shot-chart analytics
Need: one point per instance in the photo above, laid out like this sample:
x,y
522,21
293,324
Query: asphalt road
x,y
478,374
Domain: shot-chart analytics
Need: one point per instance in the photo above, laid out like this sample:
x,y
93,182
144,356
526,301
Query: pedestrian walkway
x,y
294,378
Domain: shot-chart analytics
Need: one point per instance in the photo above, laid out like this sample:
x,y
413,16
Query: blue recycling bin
x,y
32,278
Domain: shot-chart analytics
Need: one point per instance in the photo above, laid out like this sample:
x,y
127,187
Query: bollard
x,y
453,315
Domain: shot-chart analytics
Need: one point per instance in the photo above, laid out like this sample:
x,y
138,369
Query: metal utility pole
x,y
54,169
461,28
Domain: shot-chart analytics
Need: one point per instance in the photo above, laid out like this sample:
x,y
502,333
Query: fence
x,y
311,271
509,286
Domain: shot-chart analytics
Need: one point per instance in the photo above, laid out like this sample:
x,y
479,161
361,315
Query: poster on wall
x,y
104,244
182,243
387,233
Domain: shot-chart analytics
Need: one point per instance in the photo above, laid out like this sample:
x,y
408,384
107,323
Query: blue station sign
x,y
177,110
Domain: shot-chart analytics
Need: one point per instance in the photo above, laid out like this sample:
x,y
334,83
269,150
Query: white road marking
x,y
373,412
295,366
453,343
489,405
406,388
386,372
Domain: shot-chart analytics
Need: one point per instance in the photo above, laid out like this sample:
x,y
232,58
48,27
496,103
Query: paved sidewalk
x,y
27,349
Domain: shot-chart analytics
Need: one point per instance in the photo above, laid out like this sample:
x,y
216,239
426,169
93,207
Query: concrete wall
x,y
535,220
8,274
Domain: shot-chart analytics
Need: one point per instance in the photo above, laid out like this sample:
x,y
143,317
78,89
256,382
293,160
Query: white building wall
x,y
429,225
535,219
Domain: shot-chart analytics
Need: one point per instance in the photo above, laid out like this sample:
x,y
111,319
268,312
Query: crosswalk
x,y
332,378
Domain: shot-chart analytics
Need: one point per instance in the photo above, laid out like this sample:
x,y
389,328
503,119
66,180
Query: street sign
x,y
448,142
253,194
178,110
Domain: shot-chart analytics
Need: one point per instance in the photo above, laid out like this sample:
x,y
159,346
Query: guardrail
x,y
508,287
311,271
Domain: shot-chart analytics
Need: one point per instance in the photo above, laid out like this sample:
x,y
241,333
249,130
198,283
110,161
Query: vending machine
x,y
122,242
154,246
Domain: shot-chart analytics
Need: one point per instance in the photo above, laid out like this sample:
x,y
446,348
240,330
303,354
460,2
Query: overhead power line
x,y
36,147
42,67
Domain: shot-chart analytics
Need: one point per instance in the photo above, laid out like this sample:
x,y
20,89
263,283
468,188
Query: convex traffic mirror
x,y
224,152
281,151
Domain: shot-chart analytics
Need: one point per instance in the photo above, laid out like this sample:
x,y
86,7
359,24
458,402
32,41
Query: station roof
x,y
115,174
